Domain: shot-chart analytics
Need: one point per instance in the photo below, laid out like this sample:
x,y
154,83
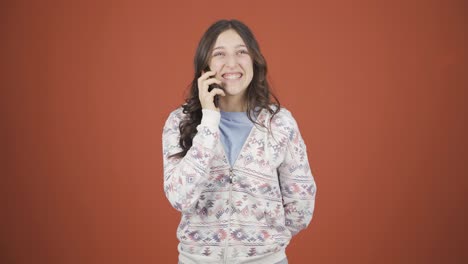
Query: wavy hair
x,y
258,94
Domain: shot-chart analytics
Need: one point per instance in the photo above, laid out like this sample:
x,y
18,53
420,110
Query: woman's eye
x,y
217,54
243,52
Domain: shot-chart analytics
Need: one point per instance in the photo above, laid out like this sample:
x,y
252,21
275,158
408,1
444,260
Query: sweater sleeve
x,y
297,183
184,177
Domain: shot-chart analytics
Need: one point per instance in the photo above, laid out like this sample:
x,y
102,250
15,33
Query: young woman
x,y
235,164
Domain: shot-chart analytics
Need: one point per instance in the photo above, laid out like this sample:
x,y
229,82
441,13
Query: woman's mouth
x,y
232,76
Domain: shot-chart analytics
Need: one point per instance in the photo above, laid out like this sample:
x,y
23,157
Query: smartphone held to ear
x,y
216,97
211,87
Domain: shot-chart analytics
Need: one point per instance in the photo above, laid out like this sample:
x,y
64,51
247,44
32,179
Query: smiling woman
x,y
238,170
232,64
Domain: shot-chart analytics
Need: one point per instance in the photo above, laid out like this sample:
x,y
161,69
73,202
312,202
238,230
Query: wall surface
x,y
378,89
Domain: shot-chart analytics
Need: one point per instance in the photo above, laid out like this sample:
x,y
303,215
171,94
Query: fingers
x,y
212,84
205,80
211,81
205,75
208,99
207,95
216,91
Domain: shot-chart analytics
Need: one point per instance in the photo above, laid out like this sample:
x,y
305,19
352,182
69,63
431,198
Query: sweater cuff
x,y
210,118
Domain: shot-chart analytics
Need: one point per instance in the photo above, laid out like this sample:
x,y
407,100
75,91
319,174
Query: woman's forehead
x,y
229,39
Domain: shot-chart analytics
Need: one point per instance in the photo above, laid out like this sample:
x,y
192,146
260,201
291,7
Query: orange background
x,y
377,87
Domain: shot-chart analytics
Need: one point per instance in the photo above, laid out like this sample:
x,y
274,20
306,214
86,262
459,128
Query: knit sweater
x,y
247,212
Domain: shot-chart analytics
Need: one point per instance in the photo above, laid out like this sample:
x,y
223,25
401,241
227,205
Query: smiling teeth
x,y
232,76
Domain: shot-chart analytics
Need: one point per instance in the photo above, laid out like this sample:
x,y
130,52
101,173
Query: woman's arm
x,y
297,183
183,177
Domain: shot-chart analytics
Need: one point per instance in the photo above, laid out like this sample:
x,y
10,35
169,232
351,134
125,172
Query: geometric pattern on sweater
x,y
246,211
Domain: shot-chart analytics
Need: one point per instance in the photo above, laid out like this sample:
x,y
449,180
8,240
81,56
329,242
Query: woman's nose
x,y
231,61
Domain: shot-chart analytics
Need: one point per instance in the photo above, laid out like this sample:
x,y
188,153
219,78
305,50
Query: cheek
x,y
215,65
247,65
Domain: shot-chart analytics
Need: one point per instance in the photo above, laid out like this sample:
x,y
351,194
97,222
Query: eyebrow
x,y
222,47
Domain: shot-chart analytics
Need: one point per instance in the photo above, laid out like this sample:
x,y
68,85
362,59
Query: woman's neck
x,y
232,104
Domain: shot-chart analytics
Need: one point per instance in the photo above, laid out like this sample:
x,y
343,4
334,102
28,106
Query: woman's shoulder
x,y
283,120
175,116
283,114
177,112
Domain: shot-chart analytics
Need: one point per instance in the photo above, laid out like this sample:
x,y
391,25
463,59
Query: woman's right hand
x,y
207,98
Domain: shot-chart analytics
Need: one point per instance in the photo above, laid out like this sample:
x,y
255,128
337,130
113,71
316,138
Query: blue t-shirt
x,y
235,127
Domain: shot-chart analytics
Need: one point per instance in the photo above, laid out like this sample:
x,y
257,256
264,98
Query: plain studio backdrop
x,y
377,88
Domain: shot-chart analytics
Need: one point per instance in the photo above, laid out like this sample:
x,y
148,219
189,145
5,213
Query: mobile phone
x,y
211,87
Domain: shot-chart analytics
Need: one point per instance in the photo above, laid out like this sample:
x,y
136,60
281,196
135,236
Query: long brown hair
x,y
258,92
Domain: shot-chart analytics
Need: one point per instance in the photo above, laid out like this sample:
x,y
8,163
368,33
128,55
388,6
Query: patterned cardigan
x,y
245,213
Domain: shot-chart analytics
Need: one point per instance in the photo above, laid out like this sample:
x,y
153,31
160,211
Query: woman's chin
x,y
233,90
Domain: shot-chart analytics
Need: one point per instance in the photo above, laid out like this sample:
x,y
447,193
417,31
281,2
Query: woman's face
x,y
232,63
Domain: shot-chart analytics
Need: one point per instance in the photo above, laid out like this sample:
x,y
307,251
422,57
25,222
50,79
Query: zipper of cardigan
x,y
229,219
